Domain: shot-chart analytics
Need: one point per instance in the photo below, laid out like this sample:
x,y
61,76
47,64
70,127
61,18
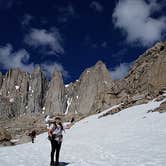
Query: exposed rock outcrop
x,y
4,135
55,98
24,96
85,95
162,108
14,92
22,93
147,75
36,91
1,79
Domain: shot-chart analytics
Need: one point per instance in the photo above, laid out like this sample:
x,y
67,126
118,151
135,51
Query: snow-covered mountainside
x,y
131,137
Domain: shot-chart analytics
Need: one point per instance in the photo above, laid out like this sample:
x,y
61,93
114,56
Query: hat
x,y
56,118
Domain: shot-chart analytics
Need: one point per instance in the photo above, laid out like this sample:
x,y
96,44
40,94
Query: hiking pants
x,y
55,146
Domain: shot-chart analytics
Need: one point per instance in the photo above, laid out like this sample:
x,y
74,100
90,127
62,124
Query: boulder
x,y
4,135
162,108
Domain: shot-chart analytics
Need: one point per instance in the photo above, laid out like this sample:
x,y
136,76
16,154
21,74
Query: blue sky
x,y
73,35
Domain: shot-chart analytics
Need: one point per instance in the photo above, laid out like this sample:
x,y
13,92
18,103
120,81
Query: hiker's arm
x,y
49,132
68,125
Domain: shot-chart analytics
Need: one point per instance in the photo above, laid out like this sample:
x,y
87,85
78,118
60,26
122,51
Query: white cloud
x,y
51,40
20,59
134,17
120,71
96,6
10,59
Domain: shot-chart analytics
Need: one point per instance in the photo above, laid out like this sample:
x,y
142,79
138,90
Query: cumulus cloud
x,y
20,59
135,19
120,71
96,6
48,40
10,59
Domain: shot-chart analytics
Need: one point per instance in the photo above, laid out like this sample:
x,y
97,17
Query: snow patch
x,y
88,71
164,94
67,85
17,87
47,118
105,82
30,88
11,100
14,141
131,137
68,105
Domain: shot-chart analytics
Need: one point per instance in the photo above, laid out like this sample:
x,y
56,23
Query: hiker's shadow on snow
x,y
63,163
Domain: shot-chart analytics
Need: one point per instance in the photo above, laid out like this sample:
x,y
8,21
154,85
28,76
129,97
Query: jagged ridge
x,y
23,93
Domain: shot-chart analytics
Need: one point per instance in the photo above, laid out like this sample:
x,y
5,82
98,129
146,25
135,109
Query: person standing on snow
x,y
32,134
55,135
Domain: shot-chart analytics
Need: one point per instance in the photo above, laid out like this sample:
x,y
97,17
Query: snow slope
x,y
131,137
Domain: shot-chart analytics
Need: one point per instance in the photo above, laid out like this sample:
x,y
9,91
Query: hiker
x,y
72,120
55,136
32,135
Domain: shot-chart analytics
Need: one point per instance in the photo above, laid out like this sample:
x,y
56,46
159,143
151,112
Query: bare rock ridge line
x,y
55,97
22,93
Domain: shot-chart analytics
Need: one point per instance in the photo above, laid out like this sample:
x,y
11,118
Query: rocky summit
x,y
31,95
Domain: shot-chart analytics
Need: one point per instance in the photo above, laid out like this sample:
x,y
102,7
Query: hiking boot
x,y
52,163
57,164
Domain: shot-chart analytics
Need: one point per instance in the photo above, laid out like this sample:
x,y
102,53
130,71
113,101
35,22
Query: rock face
x,y
14,92
55,98
36,91
162,108
1,79
4,135
24,93
147,75
21,93
25,98
85,95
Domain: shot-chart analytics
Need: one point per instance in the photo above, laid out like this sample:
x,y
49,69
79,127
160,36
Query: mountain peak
x,y
56,72
158,47
99,63
37,69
